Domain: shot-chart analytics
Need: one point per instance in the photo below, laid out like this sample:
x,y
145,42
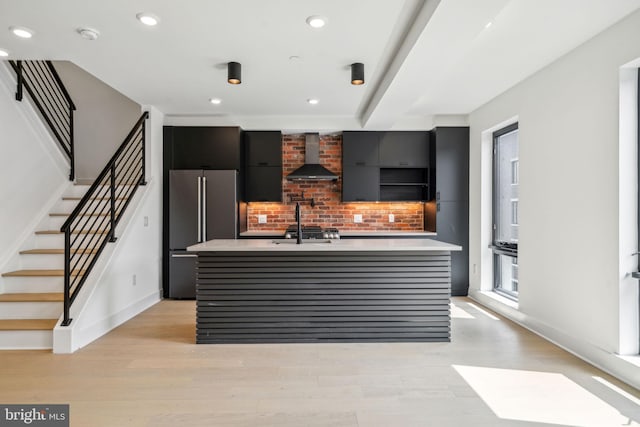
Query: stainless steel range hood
x,y
312,170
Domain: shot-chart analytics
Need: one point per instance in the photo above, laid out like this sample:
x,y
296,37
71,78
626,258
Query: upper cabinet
x,y
404,149
263,148
451,163
201,147
385,166
360,148
263,174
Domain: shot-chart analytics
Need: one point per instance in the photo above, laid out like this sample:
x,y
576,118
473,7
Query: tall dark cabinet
x,y
198,149
263,173
448,214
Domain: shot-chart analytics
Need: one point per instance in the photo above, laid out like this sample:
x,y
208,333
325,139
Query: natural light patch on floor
x,y
541,397
459,313
483,311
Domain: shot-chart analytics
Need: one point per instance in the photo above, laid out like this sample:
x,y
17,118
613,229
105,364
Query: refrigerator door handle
x,y
204,208
199,209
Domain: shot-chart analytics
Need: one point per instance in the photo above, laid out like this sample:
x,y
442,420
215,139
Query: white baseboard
x,y
611,363
68,339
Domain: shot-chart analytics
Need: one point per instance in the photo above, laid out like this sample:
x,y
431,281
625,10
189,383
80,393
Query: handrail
x,y
45,88
93,221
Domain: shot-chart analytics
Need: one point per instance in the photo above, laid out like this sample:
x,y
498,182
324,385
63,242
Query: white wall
x,y
102,119
111,296
569,264
33,171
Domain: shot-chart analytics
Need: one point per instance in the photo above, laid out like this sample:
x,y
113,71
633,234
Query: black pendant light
x,y
234,73
357,73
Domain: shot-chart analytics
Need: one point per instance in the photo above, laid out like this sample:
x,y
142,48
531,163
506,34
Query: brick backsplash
x,y
329,211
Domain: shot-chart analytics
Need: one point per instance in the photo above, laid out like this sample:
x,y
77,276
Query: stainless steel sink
x,y
304,242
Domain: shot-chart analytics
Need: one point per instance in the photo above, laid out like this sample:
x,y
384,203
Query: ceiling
x,y
422,58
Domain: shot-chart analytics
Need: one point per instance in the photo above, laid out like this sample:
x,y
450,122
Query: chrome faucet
x,y
298,222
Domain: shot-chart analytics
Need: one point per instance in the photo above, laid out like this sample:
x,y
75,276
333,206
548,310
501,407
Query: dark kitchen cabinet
x,y
452,226
451,163
263,184
404,149
263,148
193,148
385,166
360,183
360,148
202,147
263,172
450,218
404,184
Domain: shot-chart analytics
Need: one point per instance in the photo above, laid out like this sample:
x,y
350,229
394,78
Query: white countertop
x,y
347,233
389,233
289,245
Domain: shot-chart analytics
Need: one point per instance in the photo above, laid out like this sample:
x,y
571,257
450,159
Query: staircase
x,y
48,275
33,297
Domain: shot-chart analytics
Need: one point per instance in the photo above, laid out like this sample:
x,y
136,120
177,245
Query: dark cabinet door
x,y
360,183
452,163
404,149
452,226
360,148
184,205
263,184
182,274
219,203
263,148
201,147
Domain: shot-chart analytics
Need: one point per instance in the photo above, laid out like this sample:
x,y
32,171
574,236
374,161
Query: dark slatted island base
x,y
252,291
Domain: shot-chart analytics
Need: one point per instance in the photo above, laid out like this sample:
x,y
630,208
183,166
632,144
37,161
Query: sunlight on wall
x,y
541,397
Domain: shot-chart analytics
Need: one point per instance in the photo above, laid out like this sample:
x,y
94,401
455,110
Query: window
x,y
506,178
515,175
514,212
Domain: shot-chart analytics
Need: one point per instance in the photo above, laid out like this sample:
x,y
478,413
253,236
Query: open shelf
x,y
404,184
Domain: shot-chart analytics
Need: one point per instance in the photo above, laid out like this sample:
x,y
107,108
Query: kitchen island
x,y
353,290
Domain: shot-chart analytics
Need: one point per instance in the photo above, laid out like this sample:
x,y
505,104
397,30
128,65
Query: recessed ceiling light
x,y
312,101
490,23
215,101
148,18
4,53
88,33
316,21
22,32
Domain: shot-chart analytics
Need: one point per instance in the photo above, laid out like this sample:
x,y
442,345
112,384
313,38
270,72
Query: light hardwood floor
x,y
149,372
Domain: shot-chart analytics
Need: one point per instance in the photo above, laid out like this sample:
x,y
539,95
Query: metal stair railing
x,y
43,84
93,221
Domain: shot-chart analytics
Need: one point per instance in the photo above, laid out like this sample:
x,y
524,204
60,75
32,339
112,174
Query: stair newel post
x,y
143,178
67,276
112,185
72,173
20,81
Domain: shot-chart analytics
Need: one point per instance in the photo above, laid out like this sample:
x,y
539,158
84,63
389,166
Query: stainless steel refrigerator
x,y
203,205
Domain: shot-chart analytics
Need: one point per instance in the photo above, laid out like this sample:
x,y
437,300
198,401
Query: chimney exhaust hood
x,y
312,170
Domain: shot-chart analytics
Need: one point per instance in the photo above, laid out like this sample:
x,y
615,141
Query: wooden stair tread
x,y
53,251
40,273
27,324
74,232
32,297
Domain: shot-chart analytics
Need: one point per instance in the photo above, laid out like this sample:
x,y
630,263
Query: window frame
x,y
500,251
